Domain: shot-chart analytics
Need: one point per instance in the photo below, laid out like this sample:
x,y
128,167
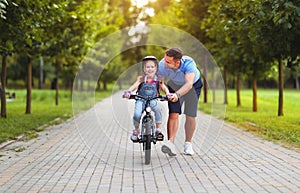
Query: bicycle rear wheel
x,y
147,149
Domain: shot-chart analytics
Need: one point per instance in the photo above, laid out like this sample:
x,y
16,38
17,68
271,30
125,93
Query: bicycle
x,y
147,135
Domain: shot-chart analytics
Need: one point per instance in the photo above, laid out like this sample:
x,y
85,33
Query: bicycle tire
x,y
147,149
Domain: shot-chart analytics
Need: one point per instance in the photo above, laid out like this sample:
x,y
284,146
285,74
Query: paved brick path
x,y
93,153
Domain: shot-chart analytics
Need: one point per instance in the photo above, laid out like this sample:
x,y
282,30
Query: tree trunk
x,y
41,81
76,87
56,86
29,86
254,90
81,84
238,89
213,87
3,86
89,84
280,88
205,86
98,85
225,84
104,85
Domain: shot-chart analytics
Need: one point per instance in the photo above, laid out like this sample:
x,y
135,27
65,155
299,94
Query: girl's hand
x,y
172,97
140,78
126,94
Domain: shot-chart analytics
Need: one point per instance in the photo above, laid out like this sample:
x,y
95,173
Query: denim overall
x,y
147,90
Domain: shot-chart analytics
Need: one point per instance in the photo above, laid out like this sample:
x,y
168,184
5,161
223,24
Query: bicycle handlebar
x,y
162,98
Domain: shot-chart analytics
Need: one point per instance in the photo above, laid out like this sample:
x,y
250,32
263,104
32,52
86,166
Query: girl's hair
x,y
149,58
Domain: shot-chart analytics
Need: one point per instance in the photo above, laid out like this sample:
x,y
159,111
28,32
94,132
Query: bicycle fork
x,y
148,128
147,136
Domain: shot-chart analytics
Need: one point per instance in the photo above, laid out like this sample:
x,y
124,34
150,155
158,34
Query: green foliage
x,y
276,28
61,30
3,4
265,123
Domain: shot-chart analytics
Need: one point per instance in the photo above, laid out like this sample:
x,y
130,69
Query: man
x,y
185,84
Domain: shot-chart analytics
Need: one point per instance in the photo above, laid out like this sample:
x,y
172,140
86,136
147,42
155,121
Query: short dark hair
x,y
176,53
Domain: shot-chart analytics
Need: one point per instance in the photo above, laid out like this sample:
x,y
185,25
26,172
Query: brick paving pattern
x,y
93,153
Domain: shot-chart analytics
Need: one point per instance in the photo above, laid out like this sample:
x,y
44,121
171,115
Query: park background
x,y
256,45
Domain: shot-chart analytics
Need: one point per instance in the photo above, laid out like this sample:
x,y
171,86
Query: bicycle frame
x,y
148,127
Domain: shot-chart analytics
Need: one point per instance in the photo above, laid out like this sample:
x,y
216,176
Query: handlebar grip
x,y
132,96
163,98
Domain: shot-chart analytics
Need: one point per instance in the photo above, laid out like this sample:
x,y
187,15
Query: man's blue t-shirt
x,y
187,65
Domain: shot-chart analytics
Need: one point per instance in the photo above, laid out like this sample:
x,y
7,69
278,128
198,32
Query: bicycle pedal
x,y
154,140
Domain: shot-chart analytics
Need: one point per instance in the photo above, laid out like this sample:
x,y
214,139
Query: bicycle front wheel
x,y
147,149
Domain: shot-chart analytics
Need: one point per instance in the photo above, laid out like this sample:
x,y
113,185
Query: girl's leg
x,y
138,110
157,112
158,125
158,120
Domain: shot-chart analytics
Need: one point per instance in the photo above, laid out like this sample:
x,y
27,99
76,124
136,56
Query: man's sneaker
x,y
135,136
159,136
169,148
188,148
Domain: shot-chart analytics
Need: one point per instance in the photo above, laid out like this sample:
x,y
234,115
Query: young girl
x,y
147,85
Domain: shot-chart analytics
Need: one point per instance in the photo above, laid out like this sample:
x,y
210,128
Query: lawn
x,y
265,123
44,112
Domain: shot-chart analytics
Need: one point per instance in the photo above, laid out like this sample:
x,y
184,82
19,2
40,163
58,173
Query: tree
x,y
192,14
188,16
32,29
65,40
276,35
250,27
97,62
227,40
8,21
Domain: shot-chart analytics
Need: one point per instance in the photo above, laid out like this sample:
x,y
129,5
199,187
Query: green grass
x,y
265,123
44,112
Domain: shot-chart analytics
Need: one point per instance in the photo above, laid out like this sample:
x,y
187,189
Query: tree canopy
x,y
247,38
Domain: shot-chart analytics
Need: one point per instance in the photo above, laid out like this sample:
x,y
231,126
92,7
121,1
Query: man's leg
x,y
169,147
190,125
172,126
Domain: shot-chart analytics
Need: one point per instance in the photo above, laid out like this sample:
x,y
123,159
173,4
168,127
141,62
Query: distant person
x,y
147,85
185,86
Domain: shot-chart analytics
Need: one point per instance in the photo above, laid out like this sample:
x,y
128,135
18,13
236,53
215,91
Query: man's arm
x,y
188,85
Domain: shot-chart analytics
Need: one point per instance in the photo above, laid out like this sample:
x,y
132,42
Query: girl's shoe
x,y
159,135
135,136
